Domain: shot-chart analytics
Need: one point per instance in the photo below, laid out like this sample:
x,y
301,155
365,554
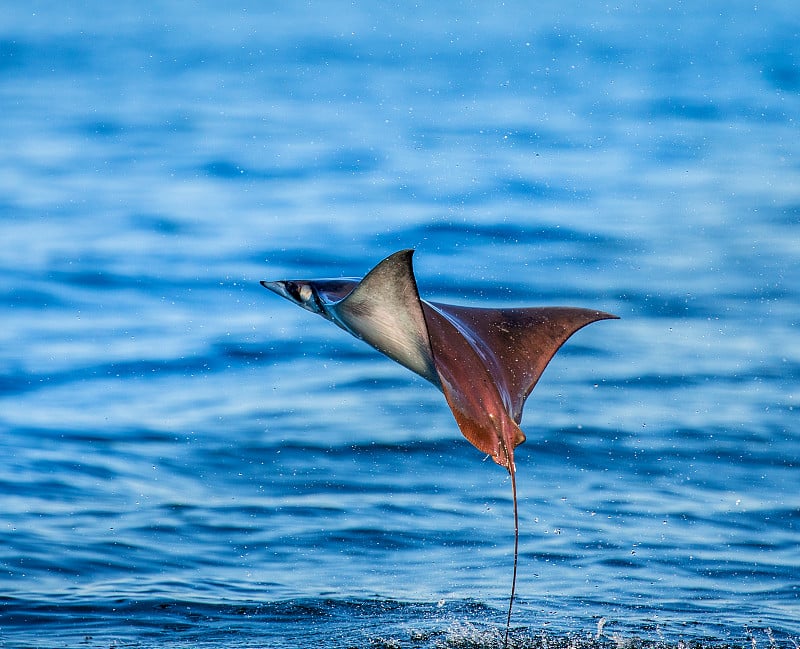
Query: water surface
x,y
188,461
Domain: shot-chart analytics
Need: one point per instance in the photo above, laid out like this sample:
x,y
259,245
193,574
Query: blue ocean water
x,y
188,461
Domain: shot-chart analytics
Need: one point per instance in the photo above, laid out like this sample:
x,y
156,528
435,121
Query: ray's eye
x,y
304,292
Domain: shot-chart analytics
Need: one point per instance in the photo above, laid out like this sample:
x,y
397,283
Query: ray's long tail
x,y
512,471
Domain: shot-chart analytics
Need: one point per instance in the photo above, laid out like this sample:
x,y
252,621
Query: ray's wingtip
x,y
603,315
405,252
401,258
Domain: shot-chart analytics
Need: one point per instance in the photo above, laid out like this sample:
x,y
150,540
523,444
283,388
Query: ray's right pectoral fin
x,y
518,343
384,310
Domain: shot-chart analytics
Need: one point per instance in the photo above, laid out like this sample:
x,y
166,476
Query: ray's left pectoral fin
x,y
385,311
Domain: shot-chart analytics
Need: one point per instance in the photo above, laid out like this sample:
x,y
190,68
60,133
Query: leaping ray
x,y
485,361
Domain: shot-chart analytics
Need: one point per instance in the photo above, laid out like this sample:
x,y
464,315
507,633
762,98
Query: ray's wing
x,y
517,344
385,311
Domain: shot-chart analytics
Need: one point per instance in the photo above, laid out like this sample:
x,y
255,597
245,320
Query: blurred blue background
x,y
186,460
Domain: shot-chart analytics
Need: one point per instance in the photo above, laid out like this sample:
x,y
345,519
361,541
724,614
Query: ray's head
x,y
315,295
302,293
